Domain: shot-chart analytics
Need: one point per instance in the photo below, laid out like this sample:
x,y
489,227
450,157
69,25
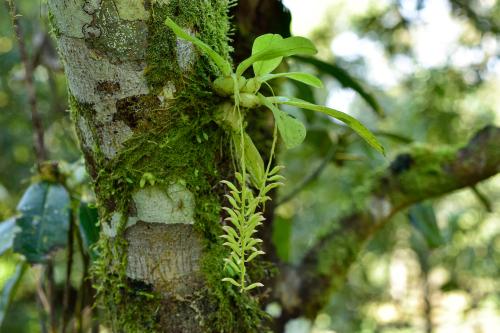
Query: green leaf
x,y
221,63
253,285
353,123
262,43
89,229
345,79
279,48
7,232
232,281
297,76
292,131
10,288
44,221
252,159
423,219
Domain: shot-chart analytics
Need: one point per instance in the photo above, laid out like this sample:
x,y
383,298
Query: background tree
x,y
143,108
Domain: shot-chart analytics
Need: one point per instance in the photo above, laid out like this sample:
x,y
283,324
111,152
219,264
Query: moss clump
x,y
207,19
420,171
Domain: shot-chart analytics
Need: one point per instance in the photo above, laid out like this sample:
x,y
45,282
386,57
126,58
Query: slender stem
x,y
67,285
51,296
38,135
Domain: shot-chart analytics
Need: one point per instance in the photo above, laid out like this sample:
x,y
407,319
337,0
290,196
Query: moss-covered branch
x,y
420,174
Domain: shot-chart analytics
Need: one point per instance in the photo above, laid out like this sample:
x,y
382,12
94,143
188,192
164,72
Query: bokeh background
x,y
432,66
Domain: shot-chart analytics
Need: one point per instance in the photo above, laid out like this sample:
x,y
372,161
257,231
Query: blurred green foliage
x,y
400,283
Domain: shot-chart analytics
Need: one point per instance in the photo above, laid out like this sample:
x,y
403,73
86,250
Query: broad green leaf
x,y
353,123
7,232
423,219
252,159
292,131
262,43
89,230
9,289
280,48
222,64
297,76
345,79
44,221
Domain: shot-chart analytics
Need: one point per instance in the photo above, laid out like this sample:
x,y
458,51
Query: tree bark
x,y
143,108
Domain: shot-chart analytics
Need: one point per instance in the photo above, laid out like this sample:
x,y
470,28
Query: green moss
x,y
207,19
425,172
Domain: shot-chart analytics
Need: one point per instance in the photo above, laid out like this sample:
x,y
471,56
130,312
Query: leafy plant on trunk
x,y
252,176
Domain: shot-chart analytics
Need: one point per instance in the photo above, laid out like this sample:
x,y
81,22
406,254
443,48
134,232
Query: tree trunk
x,y
143,108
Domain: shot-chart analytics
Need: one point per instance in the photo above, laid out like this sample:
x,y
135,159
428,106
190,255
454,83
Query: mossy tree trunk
x,y
143,108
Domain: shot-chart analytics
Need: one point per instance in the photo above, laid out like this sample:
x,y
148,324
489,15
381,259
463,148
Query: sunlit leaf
x,y
297,76
353,123
292,131
262,43
280,48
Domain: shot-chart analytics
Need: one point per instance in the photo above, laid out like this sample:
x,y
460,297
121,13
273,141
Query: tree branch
x,y
412,177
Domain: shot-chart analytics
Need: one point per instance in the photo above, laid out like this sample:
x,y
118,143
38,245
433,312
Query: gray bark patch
x,y
165,256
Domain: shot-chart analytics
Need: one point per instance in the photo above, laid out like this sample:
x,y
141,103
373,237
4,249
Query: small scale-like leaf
x,y
279,48
9,289
232,281
292,131
252,158
222,64
297,76
353,123
230,230
230,185
234,247
253,255
262,43
7,232
253,285
233,265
